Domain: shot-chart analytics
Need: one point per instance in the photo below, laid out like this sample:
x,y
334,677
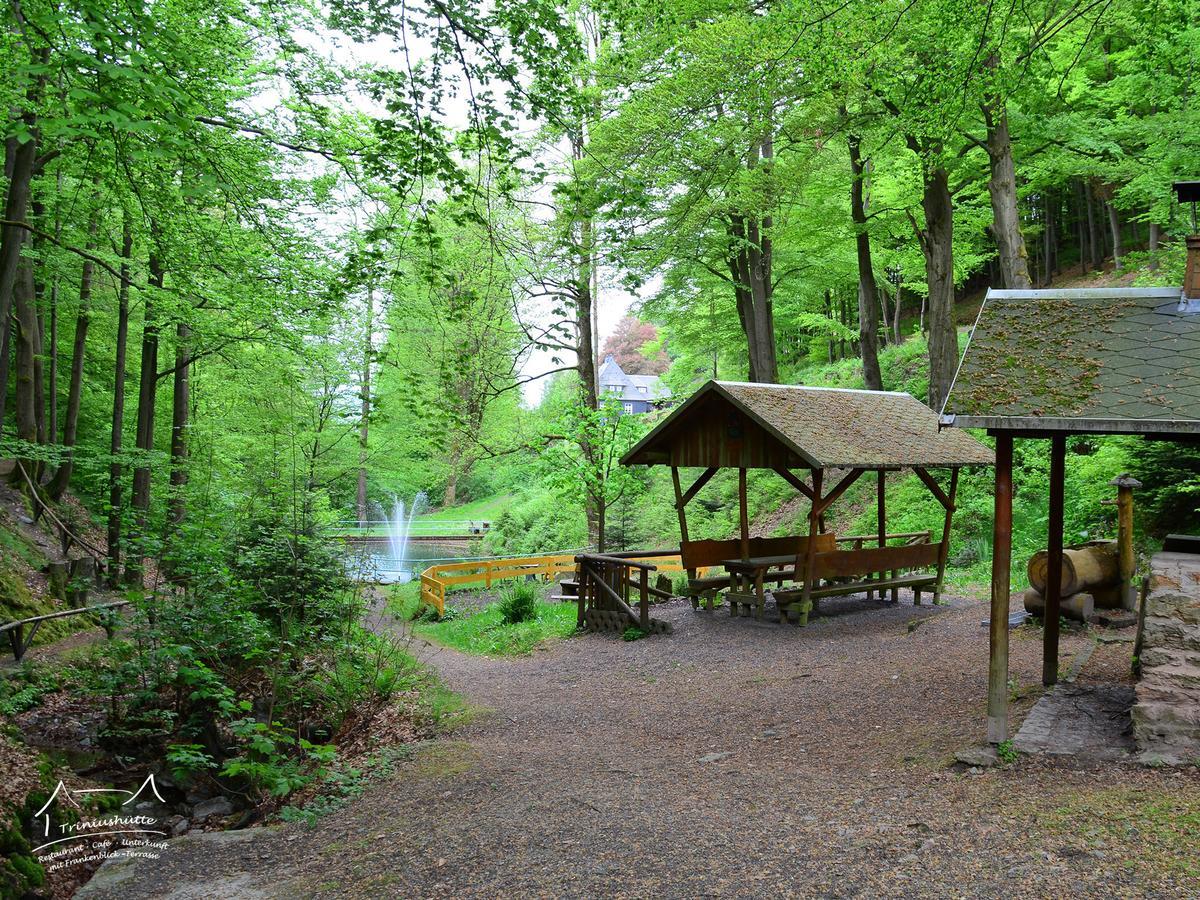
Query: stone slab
x,y
1086,722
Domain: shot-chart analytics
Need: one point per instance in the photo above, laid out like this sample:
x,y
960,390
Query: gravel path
x,y
731,758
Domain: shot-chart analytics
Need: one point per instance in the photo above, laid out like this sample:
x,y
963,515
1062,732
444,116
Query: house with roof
x,y
636,393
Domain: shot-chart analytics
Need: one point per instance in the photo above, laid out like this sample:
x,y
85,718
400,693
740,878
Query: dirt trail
x,y
730,758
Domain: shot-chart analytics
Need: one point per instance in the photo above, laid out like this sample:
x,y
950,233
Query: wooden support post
x,y
745,515
997,729
1054,560
810,551
582,590
681,509
1126,563
644,600
944,549
880,517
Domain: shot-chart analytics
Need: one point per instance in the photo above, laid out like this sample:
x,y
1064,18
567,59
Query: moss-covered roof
x,y
802,427
1121,360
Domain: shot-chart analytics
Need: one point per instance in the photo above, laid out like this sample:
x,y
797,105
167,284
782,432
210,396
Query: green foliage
x,y
273,760
1007,752
23,688
518,602
632,633
486,633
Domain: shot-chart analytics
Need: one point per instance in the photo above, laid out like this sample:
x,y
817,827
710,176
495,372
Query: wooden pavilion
x,y
1045,364
727,425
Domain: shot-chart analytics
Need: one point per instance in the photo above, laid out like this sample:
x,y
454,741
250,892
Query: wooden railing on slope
x,y
436,580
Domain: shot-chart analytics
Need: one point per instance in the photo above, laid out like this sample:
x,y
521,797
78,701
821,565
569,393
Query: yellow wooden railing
x,y
436,580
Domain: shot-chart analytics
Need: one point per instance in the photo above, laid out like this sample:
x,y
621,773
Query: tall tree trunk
x,y
1155,237
115,469
868,300
12,238
19,164
829,315
364,418
1095,245
937,244
1002,187
1050,236
180,407
147,394
1114,224
28,349
83,319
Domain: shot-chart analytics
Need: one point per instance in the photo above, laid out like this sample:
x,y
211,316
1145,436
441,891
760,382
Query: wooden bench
x,y
847,572
696,555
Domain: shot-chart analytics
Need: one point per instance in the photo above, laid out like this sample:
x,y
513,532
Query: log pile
x,y
1091,580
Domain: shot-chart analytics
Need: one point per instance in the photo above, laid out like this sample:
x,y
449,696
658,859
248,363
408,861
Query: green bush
x,y
518,603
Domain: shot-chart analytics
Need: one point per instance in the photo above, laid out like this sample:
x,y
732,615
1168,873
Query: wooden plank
x,y
944,546
829,499
997,708
891,536
870,560
791,478
934,487
858,587
699,483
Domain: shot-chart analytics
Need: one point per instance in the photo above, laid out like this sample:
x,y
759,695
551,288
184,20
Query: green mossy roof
x,y
1070,358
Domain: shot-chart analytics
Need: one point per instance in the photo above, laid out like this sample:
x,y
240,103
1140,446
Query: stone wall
x,y
1166,717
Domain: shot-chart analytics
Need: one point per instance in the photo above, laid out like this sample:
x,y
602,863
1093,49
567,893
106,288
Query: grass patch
x,y
1162,825
484,632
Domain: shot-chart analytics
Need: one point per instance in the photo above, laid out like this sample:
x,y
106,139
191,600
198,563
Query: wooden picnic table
x,y
747,577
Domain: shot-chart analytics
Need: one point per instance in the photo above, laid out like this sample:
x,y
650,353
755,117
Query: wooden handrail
x,y
613,595
62,613
436,579
850,538
601,557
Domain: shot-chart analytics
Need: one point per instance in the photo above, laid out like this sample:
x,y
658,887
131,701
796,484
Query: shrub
x,y
518,603
633,633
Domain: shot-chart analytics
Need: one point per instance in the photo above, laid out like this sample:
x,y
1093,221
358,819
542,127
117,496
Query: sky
x,y
613,302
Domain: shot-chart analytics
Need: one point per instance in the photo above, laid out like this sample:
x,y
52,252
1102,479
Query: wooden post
x,y
644,601
1054,556
681,509
1126,563
997,730
880,517
582,590
810,551
944,549
745,515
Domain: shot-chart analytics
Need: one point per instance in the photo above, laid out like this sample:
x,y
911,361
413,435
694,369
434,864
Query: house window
x,y
641,389
628,408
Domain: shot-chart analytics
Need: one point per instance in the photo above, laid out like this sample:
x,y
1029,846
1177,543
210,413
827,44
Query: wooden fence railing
x,y
436,580
19,640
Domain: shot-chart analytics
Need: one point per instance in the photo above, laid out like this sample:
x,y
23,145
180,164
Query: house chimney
x,y
1189,192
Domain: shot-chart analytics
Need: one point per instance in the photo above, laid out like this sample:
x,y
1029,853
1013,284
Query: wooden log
x,y
1083,568
1079,607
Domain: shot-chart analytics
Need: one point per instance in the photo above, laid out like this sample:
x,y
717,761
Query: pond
x,y
372,559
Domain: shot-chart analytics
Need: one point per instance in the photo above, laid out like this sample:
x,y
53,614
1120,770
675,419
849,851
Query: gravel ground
x,y
731,758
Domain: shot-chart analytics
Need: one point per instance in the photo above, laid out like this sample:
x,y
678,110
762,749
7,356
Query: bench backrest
x,y
701,554
848,563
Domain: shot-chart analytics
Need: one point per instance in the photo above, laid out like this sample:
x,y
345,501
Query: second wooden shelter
x,y
785,428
